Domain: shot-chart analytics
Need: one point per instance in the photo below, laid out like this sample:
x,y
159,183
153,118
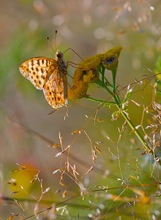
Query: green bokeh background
x,y
88,27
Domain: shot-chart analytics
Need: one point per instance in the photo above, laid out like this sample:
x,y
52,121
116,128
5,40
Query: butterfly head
x,y
59,58
59,55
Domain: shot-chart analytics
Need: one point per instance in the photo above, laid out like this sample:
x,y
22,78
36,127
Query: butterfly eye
x,y
109,60
59,55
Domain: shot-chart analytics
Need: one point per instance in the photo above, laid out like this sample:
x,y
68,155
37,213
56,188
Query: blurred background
x,y
29,133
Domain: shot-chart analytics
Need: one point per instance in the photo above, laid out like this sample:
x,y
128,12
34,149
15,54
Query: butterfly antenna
x,y
56,32
49,43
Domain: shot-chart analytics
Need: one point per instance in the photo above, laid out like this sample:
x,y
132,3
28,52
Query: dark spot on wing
x,y
42,70
43,77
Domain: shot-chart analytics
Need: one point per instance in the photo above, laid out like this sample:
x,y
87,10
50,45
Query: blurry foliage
x,y
158,77
12,56
98,169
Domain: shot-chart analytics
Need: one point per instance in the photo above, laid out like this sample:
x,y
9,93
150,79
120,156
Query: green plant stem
x,y
114,71
115,96
119,105
147,148
101,101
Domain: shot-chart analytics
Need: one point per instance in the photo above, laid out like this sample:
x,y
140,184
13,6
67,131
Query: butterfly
x,y
49,75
